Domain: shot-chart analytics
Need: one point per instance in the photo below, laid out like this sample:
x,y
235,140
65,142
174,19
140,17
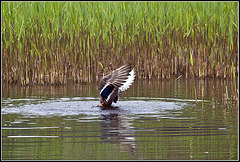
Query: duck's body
x,y
114,83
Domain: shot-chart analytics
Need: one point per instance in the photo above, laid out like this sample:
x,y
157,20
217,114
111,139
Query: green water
x,y
156,120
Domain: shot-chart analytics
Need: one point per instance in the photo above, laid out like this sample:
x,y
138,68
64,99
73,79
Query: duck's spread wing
x,y
120,78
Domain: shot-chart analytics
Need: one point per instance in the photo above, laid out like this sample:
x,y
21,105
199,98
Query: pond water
x,y
176,119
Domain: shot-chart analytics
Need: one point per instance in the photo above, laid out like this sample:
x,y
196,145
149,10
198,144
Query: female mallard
x,y
114,83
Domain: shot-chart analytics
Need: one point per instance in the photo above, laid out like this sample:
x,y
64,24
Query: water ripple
x,y
91,108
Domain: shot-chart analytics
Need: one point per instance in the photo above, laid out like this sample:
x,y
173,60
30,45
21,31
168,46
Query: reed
x,y
62,42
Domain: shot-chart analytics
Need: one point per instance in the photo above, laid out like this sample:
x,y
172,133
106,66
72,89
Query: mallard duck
x,y
113,84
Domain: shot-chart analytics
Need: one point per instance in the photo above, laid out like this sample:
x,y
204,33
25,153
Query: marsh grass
x,y
61,42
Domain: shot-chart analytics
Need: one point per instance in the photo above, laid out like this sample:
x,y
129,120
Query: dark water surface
x,y
155,120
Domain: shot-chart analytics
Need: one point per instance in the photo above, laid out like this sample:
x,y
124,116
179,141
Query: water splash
x,y
88,107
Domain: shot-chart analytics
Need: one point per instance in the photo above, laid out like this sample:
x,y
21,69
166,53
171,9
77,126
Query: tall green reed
x,y
58,42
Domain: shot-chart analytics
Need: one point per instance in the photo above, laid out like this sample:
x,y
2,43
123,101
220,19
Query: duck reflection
x,y
117,130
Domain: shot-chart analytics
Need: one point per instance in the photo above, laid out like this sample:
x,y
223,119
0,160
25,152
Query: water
x,y
155,120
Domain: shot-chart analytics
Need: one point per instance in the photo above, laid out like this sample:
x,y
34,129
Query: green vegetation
x,y
57,42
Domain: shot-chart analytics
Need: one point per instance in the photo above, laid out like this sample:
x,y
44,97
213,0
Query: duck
x,y
112,85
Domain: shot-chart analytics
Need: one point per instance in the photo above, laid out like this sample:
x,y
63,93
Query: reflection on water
x,y
164,120
115,129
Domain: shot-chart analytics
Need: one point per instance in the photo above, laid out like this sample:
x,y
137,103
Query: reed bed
x,y
61,42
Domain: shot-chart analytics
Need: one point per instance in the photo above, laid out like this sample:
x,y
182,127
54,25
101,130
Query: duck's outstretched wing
x,y
117,78
111,85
